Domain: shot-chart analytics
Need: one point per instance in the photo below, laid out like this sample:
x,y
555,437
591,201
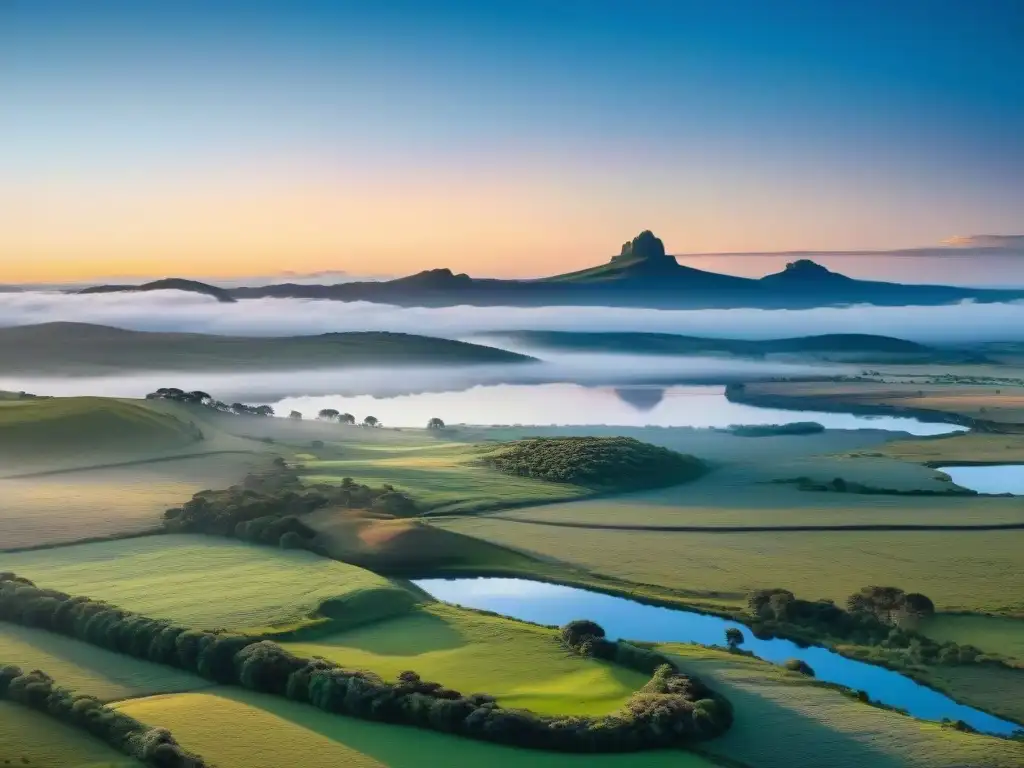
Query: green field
x,y
784,720
523,665
239,729
86,430
441,477
993,633
207,582
960,571
32,739
86,669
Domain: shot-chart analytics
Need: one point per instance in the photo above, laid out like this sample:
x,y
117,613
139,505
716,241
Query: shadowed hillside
x,y
82,349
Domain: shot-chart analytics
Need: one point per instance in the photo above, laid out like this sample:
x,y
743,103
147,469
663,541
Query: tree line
x,y
882,617
152,746
198,397
671,710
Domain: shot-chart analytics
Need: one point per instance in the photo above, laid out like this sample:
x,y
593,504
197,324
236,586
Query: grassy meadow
x,y
1002,635
87,669
210,583
442,477
234,728
975,571
29,738
523,665
786,719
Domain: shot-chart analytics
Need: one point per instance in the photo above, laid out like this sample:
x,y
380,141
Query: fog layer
x,y
176,311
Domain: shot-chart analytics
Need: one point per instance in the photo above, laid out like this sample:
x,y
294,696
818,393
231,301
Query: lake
x,y
999,478
573,404
553,604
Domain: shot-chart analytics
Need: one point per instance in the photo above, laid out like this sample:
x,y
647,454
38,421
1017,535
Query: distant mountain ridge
x,y
641,275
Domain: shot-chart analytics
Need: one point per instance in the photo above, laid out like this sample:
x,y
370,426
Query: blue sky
x,y
498,137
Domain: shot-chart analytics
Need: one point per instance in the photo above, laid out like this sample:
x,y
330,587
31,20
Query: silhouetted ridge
x,y
805,271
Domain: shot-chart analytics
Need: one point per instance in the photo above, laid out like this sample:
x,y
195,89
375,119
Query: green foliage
x,y
770,430
799,665
153,746
606,463
267,508
666,712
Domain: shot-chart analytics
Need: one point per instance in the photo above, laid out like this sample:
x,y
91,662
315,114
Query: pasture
x,y
975,571
785,719
234,728
31,739
206,582
87,669
523,665
993,633
441,477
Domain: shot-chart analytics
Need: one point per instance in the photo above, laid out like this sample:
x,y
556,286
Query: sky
x,y
502,138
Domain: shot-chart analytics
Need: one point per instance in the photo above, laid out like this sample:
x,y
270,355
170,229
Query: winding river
x,y
553,604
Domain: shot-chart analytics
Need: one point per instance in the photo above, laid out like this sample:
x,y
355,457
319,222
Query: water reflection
x,y
622,618
1001,478
577,405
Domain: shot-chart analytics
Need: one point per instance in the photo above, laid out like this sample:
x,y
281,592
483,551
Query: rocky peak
x,y
644,247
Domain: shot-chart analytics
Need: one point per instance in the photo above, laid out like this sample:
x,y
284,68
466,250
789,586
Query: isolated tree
x,y
327,414
295,415
264,410
346,418
435,423
371,421
733,637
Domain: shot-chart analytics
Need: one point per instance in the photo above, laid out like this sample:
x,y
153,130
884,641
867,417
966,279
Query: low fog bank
x,y
177,311
272,386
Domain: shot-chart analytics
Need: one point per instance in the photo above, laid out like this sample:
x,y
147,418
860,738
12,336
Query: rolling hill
x,y
83,349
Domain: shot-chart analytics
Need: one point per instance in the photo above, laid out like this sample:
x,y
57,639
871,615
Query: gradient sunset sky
x,y
496,137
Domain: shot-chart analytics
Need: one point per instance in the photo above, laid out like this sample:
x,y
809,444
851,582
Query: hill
x,y
839,346
82,349
102,428
168,284
641,275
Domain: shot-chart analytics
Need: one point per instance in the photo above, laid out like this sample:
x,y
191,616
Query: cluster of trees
x,y
840,485
769,430
891,605
198,397
603,463
152,746
671,710
333,414
267,508
883,617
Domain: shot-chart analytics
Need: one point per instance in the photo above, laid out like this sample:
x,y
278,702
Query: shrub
x,y
799,665
595,462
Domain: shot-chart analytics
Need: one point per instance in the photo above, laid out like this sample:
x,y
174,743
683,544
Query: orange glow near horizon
x,y
502,224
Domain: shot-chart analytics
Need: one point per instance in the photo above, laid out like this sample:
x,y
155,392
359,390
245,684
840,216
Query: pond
x,y
543,603
570,404
999,478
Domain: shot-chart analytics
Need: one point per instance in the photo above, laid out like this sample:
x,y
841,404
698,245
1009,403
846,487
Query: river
x,y
553,604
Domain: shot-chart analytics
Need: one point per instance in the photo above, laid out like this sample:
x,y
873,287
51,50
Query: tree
x,y
435,423
264,410
734,637
346,418
327,414
371,421
295,415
